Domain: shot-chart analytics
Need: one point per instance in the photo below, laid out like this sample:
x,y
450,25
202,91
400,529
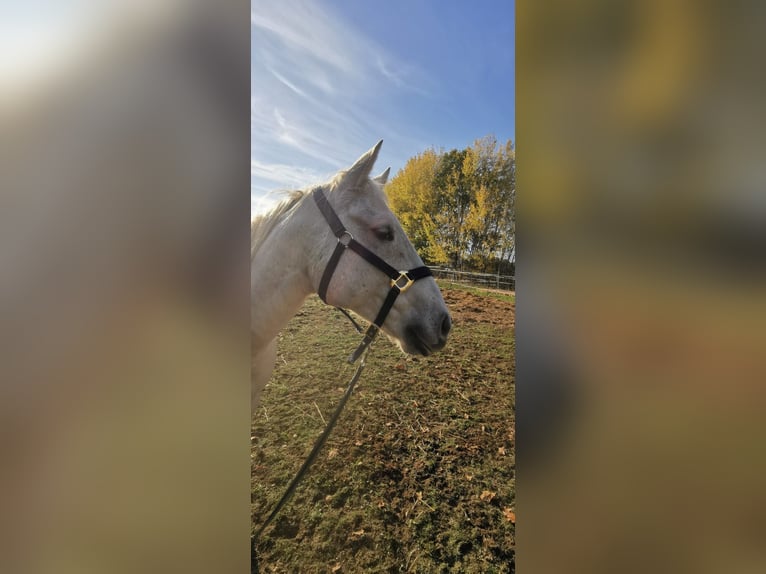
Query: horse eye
x,y
385,233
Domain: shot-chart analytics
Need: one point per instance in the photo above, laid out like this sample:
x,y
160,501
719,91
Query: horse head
x,y
418,321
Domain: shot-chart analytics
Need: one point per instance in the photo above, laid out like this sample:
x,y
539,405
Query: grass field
x,y
418,475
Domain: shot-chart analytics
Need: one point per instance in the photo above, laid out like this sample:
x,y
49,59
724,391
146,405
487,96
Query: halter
x,y
400,280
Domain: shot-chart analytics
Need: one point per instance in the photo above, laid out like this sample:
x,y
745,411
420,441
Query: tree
x,y
413,198
454,192
458,206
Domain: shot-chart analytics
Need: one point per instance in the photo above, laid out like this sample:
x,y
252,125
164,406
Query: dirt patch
x,y
419,474
470,307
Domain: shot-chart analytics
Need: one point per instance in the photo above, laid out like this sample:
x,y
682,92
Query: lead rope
x,y
356,325
317,445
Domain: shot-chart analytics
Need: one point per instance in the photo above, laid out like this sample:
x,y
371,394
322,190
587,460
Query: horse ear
x,y
361,170
383,177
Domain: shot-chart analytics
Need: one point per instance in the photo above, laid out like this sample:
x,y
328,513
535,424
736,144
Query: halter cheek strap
x,y
400,280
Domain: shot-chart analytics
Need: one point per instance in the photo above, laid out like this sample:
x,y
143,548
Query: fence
x,y
487,280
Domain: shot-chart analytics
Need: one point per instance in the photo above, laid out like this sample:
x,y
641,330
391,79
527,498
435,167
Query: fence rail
x,y
487,280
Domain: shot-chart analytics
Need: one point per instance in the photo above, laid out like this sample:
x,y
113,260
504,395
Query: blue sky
x,y
330,78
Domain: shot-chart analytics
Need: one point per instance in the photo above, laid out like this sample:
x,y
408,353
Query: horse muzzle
x,y
421,340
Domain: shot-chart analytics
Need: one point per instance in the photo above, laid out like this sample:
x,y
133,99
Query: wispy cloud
x,y
293,177
289,84
318,88
305,27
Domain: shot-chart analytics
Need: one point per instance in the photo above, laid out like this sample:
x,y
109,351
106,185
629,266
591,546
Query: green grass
x,y
420,469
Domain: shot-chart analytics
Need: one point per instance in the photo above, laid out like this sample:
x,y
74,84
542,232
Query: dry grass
x,y
418,476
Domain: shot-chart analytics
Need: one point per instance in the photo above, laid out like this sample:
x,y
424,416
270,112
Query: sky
x,y
330,78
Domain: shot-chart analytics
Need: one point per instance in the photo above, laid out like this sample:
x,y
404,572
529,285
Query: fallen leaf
x,y
469,477
358,533
336,568
332,453
501,451
487,495
358,443
509,514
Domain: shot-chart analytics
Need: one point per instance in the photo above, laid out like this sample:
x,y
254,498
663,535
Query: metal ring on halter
x,y
348,241
407,282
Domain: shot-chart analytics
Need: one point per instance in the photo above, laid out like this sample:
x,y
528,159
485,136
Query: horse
x,y
292,246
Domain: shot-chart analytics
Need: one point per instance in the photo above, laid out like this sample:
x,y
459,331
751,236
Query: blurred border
x,y
124,218
640,286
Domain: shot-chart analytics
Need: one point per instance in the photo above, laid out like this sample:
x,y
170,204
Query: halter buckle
x,y
397,282
349,239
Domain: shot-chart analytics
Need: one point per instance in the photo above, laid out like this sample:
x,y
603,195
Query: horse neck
x,y
280,276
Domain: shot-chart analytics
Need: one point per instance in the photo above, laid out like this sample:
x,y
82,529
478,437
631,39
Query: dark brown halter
x,y
400,280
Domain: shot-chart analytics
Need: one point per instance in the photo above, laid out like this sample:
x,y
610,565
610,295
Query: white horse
x,y
290,248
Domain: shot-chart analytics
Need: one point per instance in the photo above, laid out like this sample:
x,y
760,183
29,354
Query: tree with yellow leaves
x,y
458,206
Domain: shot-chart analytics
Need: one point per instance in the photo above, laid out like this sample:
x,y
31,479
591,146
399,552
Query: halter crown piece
x,y
400,280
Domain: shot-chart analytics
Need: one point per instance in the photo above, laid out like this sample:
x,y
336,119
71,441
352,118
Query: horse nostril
x,y
446,325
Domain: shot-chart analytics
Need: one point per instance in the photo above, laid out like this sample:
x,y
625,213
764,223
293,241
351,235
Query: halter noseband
x,y
400,280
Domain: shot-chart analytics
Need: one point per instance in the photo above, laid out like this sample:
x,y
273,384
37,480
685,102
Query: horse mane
x,y
262,225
